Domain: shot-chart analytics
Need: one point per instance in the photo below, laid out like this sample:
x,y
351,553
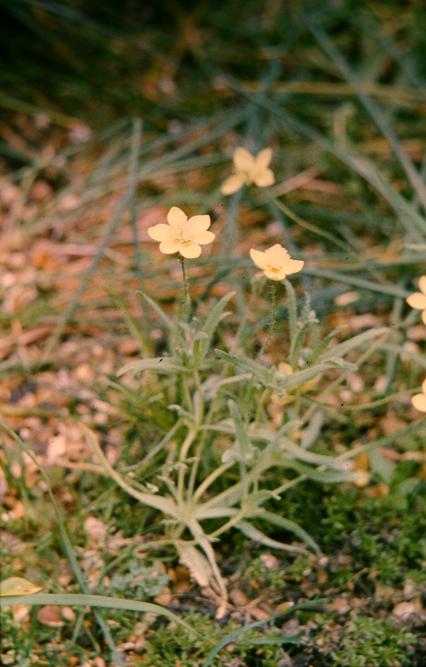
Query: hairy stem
x,y
186,299
273,321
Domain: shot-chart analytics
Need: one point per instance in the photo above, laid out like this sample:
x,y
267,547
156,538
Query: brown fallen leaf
x,y
270,561
51,615
20,612
18,586
96,531
404,610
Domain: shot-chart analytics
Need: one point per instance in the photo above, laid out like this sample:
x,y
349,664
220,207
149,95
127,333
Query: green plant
x,y
217,457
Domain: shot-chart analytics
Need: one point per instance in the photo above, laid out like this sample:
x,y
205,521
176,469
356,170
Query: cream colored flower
x,y
418,299
249,170
182,235
275,262
419,400
361,467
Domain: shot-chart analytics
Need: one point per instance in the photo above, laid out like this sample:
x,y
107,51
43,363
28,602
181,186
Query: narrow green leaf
x,y
145,344
241,434
257,536
159,311
164,365
341,349
292,527
297,343
301,377
260,372
382,466
215,315
305,455
103,601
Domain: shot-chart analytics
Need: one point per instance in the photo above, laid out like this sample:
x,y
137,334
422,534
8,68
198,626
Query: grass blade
x,y
96,601
375,112
116,219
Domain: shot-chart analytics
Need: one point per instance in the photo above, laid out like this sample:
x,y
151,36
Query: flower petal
x,y
259,258
424,386
422,284
275,274
419,402
199,223
169,247
203,238
232,184
264,178
190,250
161,232
263,159
277,255
417,300
243,159
293,266
285,368
176,218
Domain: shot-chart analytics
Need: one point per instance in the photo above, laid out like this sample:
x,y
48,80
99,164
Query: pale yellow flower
x,y
418,299
360,467
275,262
419,400
182,235
248,170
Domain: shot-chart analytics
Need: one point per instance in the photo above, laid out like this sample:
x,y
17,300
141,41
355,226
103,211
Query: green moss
x,y
371,532
368,642
168,648
259,577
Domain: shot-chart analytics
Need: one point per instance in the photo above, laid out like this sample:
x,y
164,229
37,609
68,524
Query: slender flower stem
x,y
274,290
186,299
273,321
